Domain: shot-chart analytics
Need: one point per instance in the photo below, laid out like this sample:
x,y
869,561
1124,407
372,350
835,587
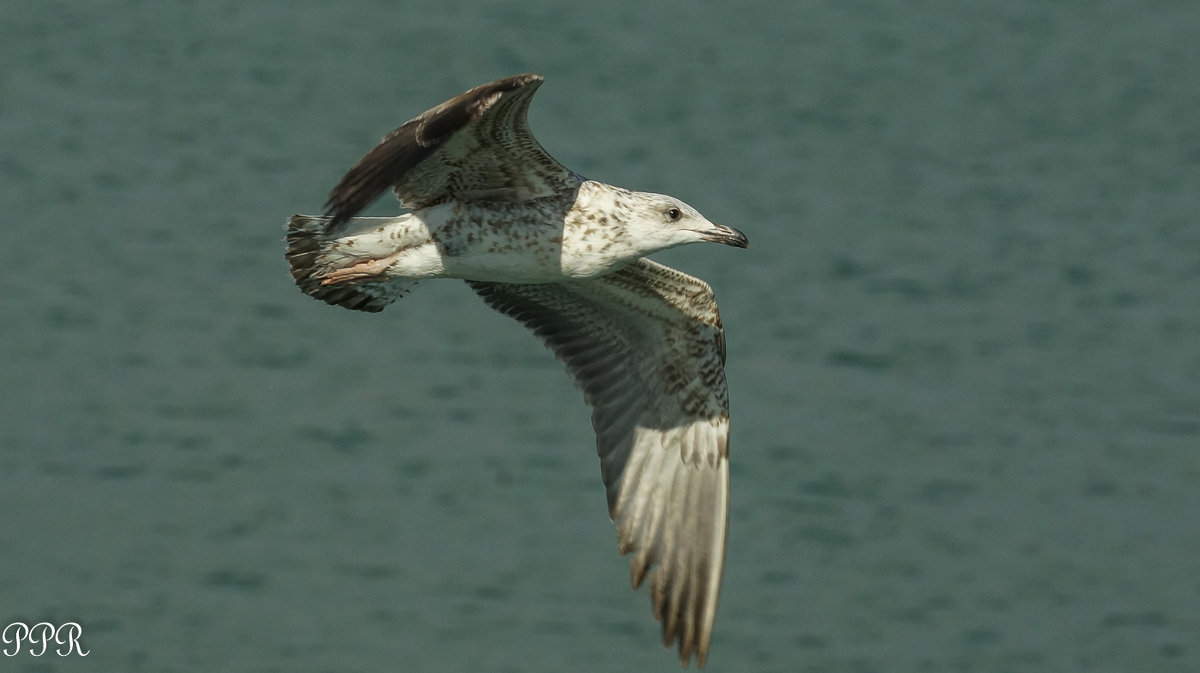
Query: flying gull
x,y
563,255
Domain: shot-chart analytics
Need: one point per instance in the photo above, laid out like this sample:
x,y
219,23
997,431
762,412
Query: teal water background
x,y
964,344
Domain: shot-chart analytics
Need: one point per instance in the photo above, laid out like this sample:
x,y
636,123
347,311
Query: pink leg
x,y
372,268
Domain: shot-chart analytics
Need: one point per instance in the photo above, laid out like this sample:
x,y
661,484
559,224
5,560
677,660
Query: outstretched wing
x,y
646,346
475,146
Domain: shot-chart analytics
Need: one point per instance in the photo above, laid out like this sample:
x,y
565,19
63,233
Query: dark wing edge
x,y
394,162
645,345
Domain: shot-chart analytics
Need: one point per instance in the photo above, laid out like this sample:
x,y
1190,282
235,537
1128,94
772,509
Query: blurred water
x,y
964,350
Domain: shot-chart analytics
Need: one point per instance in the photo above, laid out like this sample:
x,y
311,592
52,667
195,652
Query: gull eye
x,y
674,214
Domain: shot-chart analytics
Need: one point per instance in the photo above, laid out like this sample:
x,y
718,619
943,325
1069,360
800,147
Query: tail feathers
x,y
306,243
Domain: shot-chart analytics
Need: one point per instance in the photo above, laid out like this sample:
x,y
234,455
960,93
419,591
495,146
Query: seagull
x,y
565,256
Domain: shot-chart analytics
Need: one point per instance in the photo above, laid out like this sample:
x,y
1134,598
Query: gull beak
x,y
727,235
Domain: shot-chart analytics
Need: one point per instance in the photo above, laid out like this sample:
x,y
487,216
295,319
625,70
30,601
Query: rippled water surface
x,y
964,344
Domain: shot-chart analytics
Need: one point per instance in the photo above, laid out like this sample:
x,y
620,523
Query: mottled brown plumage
x,y
474,146
646,346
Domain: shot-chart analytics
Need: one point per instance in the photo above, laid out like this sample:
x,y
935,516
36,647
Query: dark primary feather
x,y
645,344
476,145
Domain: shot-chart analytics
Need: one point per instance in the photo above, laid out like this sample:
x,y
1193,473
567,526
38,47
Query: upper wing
x,y
645,344
476,145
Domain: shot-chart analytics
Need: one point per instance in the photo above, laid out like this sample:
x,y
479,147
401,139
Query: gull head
x,y
662,221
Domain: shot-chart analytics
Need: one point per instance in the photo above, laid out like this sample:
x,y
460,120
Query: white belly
x,y
506,243
513,245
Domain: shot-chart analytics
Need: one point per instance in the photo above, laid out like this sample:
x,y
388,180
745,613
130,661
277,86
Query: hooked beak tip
x,y
728,236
